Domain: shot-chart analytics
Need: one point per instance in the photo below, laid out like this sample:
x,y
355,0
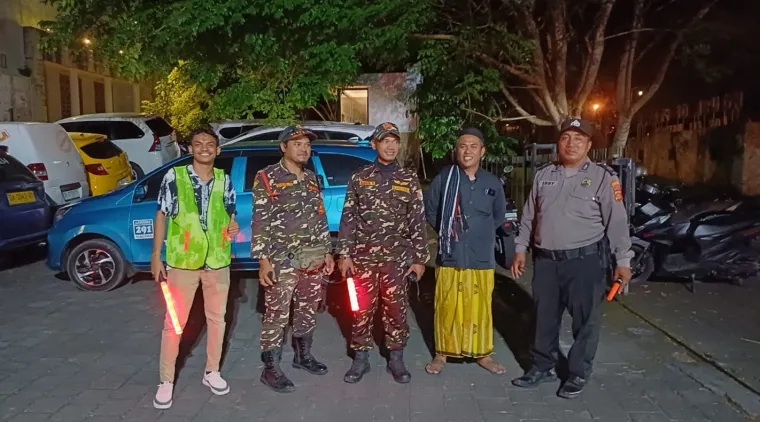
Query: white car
x,y
333,131
48,151
228,129
146,138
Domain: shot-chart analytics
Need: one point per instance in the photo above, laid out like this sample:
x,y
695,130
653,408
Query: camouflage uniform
x,y
382,229
290,229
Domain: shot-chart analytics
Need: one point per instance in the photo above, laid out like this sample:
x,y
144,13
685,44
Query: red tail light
x,y
96,169
39,170
156,144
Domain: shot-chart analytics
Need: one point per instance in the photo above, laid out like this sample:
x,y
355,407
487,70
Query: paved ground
x,y
72,356
718,321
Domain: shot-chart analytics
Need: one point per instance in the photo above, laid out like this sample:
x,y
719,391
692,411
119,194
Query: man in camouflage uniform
x,y
382,241
292,242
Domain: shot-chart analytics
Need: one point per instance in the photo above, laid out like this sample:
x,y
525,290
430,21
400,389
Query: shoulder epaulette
x,y
607,168
545,165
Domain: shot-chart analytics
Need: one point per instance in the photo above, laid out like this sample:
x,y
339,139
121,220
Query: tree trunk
x,y
622,131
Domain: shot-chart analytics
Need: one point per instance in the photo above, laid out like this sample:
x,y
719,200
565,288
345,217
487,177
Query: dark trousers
x,y
382,283
578,286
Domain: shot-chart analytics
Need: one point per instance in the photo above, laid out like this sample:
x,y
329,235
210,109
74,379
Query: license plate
x,y
18,198
70,194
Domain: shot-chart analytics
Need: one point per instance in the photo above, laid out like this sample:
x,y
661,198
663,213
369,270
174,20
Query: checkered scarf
x,y
450,213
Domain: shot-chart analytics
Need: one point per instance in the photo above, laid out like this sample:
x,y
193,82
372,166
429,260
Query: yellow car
x,y
106,164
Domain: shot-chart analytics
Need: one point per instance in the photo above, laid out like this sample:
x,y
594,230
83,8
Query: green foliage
x,y
180,101
267,58
456,92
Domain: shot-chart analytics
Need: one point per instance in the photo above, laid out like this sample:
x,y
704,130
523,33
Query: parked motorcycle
x,y
721,245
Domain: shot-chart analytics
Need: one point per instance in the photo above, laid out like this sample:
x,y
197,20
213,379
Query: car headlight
x,y
61,212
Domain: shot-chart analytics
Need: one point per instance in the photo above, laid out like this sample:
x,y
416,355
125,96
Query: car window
x,y
266,136
257,160
340,136
153,182
102,150
125,130
160,127
102,128
230,132
339,167
11,170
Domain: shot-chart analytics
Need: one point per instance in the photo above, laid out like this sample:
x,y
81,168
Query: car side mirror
x,y
321,181
141,192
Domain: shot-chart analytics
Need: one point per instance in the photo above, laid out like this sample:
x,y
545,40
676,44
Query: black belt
x,y
563,255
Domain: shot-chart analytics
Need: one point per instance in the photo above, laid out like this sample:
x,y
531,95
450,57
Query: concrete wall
x,y
722,156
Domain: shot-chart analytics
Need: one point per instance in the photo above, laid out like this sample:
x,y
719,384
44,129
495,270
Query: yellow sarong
x,y
463,320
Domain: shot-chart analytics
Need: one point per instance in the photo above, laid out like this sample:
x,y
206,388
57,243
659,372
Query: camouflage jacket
x,y
288,215
383,218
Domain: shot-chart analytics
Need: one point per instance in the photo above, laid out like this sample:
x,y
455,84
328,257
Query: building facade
x,y
35,86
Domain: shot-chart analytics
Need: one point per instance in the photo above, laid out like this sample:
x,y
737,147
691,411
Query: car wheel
x,y
96,265
137,172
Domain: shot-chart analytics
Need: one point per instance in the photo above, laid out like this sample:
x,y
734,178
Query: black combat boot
x,y
359,367
272,376
397,368
303,358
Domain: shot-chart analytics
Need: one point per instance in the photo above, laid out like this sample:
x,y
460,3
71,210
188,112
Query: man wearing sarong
x,y
466,205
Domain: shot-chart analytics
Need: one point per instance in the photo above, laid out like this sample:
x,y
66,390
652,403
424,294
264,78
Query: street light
x,y
641,93
86,41
595,107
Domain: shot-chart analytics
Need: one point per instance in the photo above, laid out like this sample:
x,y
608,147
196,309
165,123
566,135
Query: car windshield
x,y
11,170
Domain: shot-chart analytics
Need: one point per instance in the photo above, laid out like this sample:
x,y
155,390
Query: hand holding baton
x,y
352,291
614,289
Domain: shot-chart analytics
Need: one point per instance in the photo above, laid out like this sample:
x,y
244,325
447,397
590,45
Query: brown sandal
x,y
436,366
491,366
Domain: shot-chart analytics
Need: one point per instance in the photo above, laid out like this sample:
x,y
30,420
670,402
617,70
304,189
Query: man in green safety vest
x,y
197,203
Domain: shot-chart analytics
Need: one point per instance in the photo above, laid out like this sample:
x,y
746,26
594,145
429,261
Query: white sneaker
x,y
163,399
214,381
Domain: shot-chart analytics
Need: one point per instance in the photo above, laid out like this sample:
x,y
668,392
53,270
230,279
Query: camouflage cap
x,y
291,132
577,125
385,129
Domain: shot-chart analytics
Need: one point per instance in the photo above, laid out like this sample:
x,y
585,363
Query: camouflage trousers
x,y
384,282
304,290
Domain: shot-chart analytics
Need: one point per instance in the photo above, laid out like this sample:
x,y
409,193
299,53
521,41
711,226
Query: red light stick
x,y
352,292
170,308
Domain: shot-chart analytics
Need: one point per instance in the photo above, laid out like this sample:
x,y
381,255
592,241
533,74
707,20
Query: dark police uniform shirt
x,y
572,208
483,204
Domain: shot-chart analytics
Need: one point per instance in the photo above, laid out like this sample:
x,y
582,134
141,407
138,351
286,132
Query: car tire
x,y
100,258
137,171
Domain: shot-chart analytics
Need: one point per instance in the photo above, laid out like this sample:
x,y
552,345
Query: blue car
x,y
101,241
25,214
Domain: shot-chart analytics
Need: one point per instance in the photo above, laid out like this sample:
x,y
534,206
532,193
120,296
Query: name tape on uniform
x,y
400,188
548,183
367,182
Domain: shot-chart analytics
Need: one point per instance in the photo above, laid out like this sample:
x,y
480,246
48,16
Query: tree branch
x,y
529,117
525,77
445,37
665,63
594,60
620,34
558,57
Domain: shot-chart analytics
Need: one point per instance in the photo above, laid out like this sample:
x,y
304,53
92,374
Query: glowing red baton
x,y
352,292
170,308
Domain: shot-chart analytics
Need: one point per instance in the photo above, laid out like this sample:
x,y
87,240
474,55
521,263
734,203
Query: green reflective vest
x,y
188,247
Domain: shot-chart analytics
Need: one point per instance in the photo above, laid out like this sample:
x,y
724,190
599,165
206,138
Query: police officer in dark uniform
x,y
573,220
